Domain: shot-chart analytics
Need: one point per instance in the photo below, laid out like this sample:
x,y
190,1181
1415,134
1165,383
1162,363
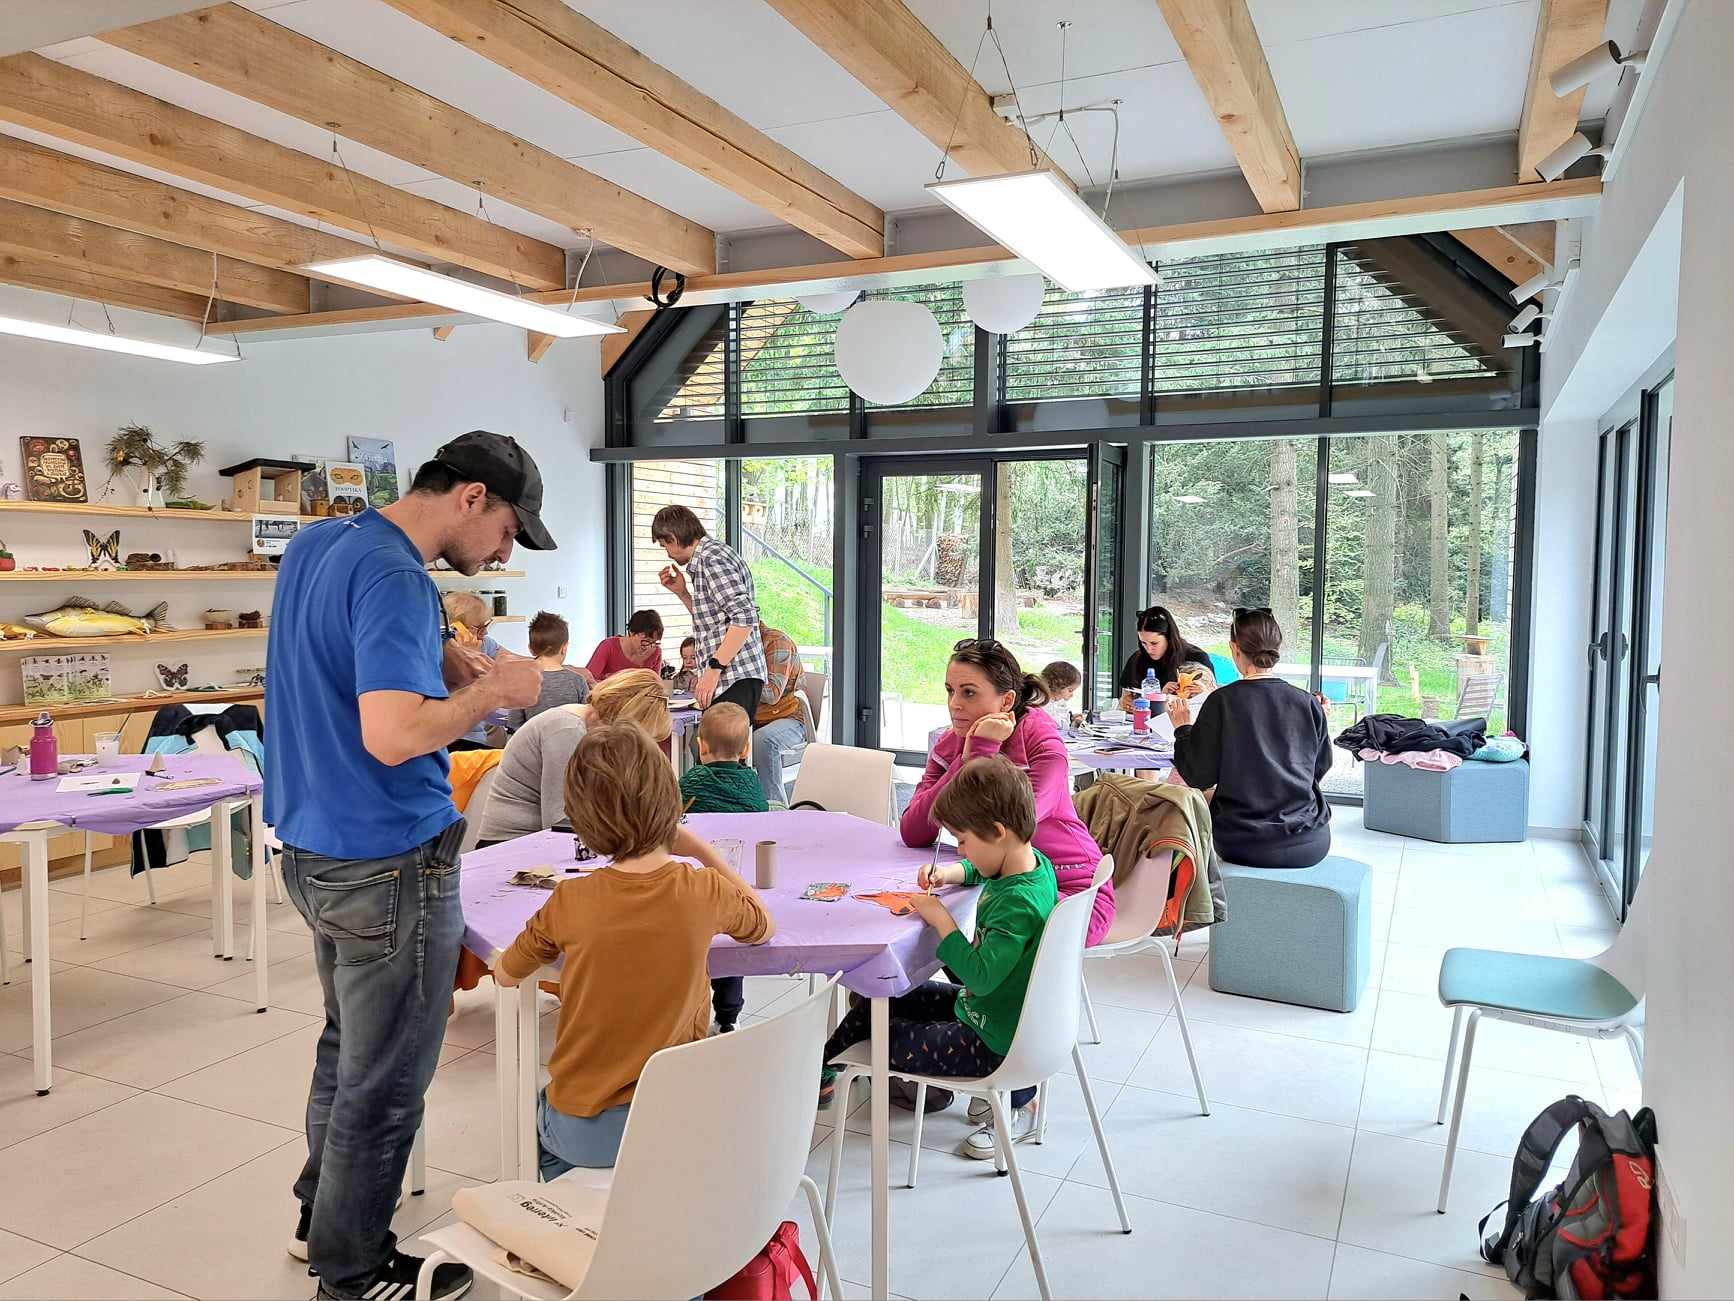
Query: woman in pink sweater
x,y
996,709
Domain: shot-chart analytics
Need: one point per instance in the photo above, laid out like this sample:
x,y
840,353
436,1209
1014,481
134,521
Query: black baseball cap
x,y
497,461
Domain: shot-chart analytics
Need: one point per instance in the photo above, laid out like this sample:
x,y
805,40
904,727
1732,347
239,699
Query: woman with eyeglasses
x,y
996,708
639,647
1265,745
1164,648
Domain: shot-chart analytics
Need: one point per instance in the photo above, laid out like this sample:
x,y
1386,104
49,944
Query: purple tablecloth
x,y
1087,751
23,801
879,955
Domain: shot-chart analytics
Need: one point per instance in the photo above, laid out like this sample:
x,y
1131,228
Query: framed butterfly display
x,y
173,677
104,552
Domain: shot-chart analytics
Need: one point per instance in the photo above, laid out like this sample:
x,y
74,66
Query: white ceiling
x,y
1353,75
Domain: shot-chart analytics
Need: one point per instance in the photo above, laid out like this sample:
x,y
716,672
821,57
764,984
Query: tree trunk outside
x,y
1377,604
1472,596
1005,579
1284,544
1439,580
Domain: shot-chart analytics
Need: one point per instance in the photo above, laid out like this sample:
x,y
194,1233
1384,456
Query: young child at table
x,y
1062,681
680,680
635,936
940,1029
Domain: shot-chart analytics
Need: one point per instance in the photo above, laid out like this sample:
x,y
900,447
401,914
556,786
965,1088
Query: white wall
x,y
303,396
1683,145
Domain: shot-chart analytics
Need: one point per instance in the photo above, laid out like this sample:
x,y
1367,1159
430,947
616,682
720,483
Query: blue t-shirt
x,y
355,611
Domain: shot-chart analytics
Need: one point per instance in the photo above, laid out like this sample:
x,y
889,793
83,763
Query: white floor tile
x,y
1253,1165
187,960
76,1279
1125,1036
1353,1028
1393,1186
1172,1251
267,1083
294,983
19,1254
118,884
105,1169
120,930
1413,968
1474,927
1621,1085
1402,1099
1580,906
164,1042
1362,1275
1420,1026
78,997
1585,941
463,1118
1137,981
926,1221
61,907
1306,1078
24,1115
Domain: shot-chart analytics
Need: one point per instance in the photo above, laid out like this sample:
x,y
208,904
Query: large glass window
x,y
788,362
1039,527
1079,364
655,484
786,539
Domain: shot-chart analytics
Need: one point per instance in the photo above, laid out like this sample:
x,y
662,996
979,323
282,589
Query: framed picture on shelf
x,y
378,457
53,469
347,483
315,493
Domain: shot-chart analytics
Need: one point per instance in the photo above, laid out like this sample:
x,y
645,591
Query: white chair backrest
x,y
813,687
475,808
1626,958
1048,1025
715,1144
206,741
1141,897
847,779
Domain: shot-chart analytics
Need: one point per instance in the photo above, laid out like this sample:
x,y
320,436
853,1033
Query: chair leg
x,y
1090,1011
1634,1044
840,1106
1101,1139
1457,1111
1450,1061
822,1231
5,969
418,1161
275,865
915,1141
1185,1030
150,886
84,894
424,1280
1003,1154
1041,1134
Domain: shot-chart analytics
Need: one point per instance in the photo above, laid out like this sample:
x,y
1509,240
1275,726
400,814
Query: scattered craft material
x,y
16,632
1188,684
185,784
826,891
894,902
79,616
539,878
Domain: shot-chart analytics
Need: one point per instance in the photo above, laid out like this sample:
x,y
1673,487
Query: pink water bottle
x,y
44,749
1140,715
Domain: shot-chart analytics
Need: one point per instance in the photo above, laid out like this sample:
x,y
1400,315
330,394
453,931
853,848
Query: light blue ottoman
x,y
1296,935
1474,803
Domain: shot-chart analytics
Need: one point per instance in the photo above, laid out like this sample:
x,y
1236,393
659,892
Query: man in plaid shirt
x,y
717,588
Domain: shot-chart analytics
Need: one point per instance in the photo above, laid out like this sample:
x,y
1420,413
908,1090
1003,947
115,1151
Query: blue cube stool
x,y
1474,803
1296,935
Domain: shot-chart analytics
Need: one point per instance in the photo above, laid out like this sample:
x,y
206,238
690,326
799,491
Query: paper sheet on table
x,y
102,781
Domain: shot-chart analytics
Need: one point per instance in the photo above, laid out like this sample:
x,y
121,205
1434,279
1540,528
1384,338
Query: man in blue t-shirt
x,y
364,693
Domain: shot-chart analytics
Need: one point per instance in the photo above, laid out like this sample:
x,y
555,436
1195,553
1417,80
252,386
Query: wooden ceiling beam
x,y
72,105
569,56
1536,238
1564,29
1222,49
250,56
1505,255
890,52
66,241
76,282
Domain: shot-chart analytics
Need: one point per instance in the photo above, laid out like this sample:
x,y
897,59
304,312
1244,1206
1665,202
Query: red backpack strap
x,y
788,1236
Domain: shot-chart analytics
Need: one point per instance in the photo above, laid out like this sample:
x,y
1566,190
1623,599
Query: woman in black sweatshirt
x,y
1265,745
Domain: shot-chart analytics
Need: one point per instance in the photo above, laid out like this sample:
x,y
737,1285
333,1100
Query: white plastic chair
x,y
200,818
813,687
847,779
718,1134
1046,1036
1594,998
475,808
1138,904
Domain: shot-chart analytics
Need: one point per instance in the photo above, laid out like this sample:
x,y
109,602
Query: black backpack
x,y
1593,1236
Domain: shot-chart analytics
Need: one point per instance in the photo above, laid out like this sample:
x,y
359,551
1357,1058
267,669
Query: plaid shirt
x,y
723,597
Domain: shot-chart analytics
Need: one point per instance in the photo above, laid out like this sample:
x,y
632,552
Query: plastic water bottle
x,y
1152,689
44,749
1140,715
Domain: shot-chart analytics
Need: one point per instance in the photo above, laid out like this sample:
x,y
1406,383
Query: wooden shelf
x,y
126,704
47,645
139,512
190,575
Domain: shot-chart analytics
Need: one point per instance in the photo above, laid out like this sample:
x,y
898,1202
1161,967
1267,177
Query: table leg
x,y
216,891
879,1112
222,827
261,883
524,1094
506,1076
25,892
36,919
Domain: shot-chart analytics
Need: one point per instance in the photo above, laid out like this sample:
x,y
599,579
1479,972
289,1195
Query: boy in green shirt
x,y
940,1029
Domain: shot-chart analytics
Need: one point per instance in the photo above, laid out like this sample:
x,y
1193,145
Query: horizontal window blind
x,y
788,360
1386,331
695,390
1081,345
954,386
1240,321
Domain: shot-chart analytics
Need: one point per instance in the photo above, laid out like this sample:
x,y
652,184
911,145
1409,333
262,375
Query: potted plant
x,y
7,563
162,468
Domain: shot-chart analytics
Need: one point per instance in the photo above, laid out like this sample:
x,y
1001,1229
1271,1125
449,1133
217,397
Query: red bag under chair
x,y
770,1275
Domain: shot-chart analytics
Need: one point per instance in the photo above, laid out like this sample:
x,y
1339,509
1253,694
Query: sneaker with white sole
x,y
396,1281
297,1245
981,1144
980,1111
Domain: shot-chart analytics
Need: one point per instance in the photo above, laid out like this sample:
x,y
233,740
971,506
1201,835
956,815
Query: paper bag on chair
x,y
551,1226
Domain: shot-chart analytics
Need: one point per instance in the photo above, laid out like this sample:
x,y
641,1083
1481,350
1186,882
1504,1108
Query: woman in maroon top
x,y
639,647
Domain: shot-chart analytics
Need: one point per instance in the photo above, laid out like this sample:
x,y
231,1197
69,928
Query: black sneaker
x,y
396,1280
298,1244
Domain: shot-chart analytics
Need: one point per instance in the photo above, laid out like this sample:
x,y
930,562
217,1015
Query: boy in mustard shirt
x,y
635,936
940,1029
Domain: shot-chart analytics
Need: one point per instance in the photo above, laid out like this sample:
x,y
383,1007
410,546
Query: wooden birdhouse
x,y
267,487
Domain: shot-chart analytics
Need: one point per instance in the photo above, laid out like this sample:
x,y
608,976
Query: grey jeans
x,y
775,744
386,934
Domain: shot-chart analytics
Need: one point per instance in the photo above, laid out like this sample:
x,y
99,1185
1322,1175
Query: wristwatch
x,y
715,663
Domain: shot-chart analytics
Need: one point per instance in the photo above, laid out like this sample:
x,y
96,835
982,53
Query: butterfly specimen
x,y
172,677
104,552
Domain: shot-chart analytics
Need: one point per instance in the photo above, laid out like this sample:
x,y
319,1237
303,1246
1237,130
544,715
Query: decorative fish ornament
x,y
104,552
79,616
16,632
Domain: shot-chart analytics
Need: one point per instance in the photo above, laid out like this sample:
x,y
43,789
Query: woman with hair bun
x,y
996,708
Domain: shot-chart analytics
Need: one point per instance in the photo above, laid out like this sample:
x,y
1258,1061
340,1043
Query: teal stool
x,y
1473,804
1296,935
